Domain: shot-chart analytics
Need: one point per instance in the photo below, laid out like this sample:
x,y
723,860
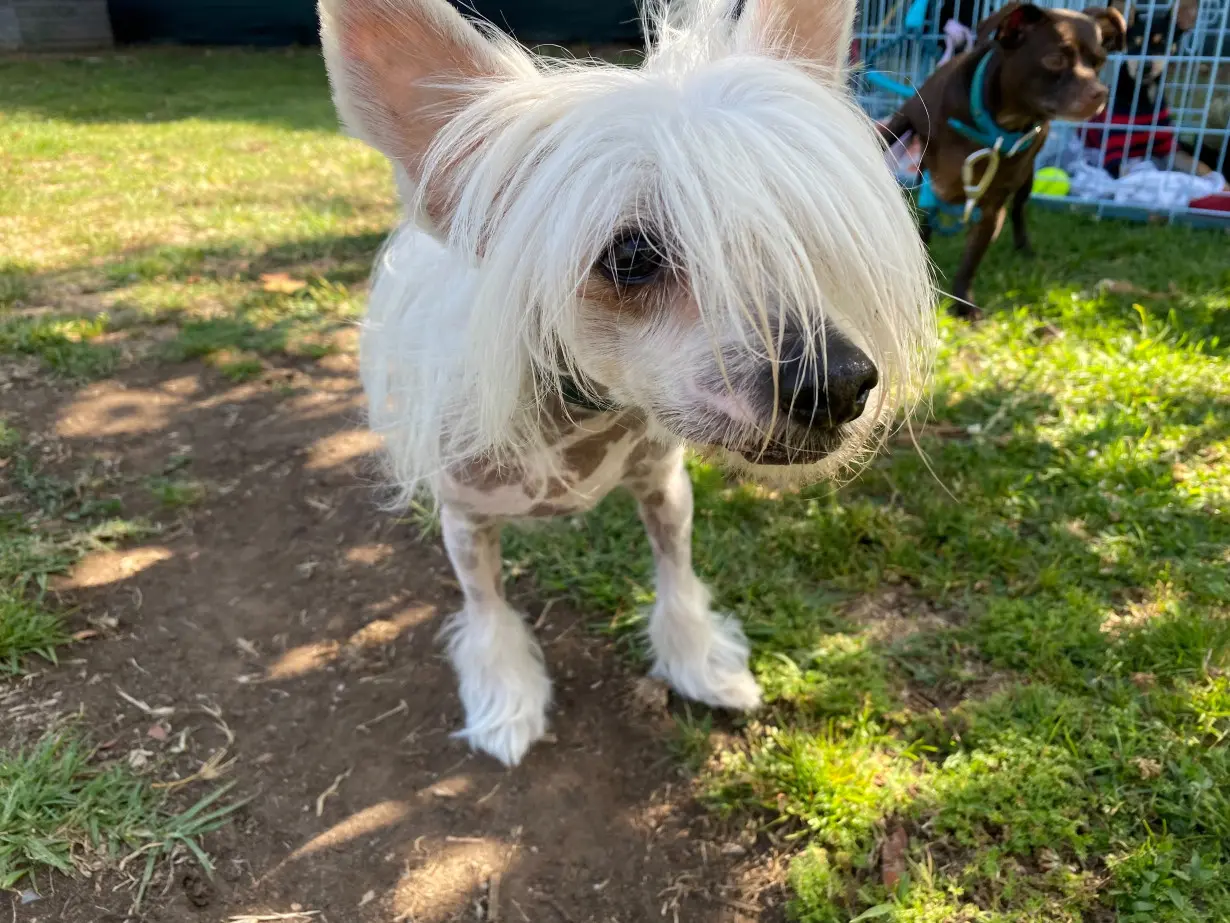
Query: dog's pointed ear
x,y
1015,24
394,66
812,30
1112,26
1186,14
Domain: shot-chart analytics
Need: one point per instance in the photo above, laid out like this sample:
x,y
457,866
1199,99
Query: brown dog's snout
x,y
1089,103
1098,95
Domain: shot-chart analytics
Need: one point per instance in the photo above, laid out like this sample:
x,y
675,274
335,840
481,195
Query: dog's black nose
x,y
830,389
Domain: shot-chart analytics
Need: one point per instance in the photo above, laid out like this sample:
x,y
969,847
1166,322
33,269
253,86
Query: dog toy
x,y
1051,181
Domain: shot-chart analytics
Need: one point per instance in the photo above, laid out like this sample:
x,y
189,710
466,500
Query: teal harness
x,y
996,142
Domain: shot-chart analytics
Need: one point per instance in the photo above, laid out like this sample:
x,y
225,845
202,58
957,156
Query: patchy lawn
x,y
996,670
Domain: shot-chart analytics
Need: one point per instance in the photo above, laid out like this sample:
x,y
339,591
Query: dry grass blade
x,y
400,708
216,765
161,712
330,792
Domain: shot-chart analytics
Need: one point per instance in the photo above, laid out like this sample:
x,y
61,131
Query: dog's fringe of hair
x,y
760,173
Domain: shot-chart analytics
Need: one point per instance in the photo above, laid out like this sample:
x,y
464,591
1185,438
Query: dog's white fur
x,y
736,145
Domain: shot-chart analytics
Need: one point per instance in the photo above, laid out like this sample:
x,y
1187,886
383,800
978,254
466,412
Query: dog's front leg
x,y
702,654
503,681
977,240
1020,234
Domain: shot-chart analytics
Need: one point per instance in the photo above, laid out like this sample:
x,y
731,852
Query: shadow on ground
x,y
304,619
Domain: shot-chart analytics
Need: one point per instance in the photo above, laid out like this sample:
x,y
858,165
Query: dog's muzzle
x,y
819,390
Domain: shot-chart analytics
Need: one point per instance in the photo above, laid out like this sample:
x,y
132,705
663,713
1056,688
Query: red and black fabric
x,y
1131,137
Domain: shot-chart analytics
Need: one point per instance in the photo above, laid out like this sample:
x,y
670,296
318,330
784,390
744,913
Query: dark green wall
x,y
290,22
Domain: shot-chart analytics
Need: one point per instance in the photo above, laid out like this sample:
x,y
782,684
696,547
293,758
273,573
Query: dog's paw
x,y
710,665
507,739
504,685
506,712
965,310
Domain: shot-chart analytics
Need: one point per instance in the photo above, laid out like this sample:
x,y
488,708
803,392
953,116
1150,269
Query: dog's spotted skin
x,y
504,684
642,231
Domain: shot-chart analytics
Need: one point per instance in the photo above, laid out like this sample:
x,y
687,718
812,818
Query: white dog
x,y
605,264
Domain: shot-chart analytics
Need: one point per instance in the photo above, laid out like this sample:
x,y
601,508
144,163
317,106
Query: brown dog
x,y
1028,66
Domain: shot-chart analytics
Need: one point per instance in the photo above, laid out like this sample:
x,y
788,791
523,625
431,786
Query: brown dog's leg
x,y
1020,234
976,243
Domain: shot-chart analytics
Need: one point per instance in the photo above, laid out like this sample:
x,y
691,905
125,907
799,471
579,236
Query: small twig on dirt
x,y
144,849
555,905
493,898
485,797
464,839
456,765
542,616
399,709
330,792
271,917
213,767
519,910
163,712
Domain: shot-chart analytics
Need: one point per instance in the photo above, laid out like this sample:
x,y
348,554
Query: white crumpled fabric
x,y
1146,186
1141,183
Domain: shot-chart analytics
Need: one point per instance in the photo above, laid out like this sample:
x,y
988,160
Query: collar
x,y
985,130
584,396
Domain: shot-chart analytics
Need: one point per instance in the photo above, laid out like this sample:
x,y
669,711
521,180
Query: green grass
x,y
175,493
64,810
210,191
1022,664
47,526
1039,696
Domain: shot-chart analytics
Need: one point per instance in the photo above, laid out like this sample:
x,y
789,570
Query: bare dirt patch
x,y
284,624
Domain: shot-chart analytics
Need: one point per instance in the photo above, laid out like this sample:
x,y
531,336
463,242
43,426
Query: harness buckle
x,y
1024,141
975,189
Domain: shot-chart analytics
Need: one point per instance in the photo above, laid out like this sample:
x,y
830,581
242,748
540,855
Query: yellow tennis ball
x,y
1051,181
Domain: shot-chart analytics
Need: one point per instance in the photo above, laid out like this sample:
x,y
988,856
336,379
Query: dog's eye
x,y
1056,61
632,259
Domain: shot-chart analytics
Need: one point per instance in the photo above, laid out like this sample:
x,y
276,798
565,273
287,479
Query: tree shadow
x,y
285,88
289,622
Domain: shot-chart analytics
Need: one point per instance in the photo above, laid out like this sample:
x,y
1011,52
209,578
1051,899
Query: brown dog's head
x,y
1051,58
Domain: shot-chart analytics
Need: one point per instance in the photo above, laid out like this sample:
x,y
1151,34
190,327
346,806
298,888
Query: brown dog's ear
x,y
1015,24
1112,26
390,64
987,28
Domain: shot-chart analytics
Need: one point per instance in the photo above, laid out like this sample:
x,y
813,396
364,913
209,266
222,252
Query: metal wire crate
x,y
1162,144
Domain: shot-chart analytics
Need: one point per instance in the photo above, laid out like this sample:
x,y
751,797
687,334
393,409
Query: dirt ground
x,y
289,621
